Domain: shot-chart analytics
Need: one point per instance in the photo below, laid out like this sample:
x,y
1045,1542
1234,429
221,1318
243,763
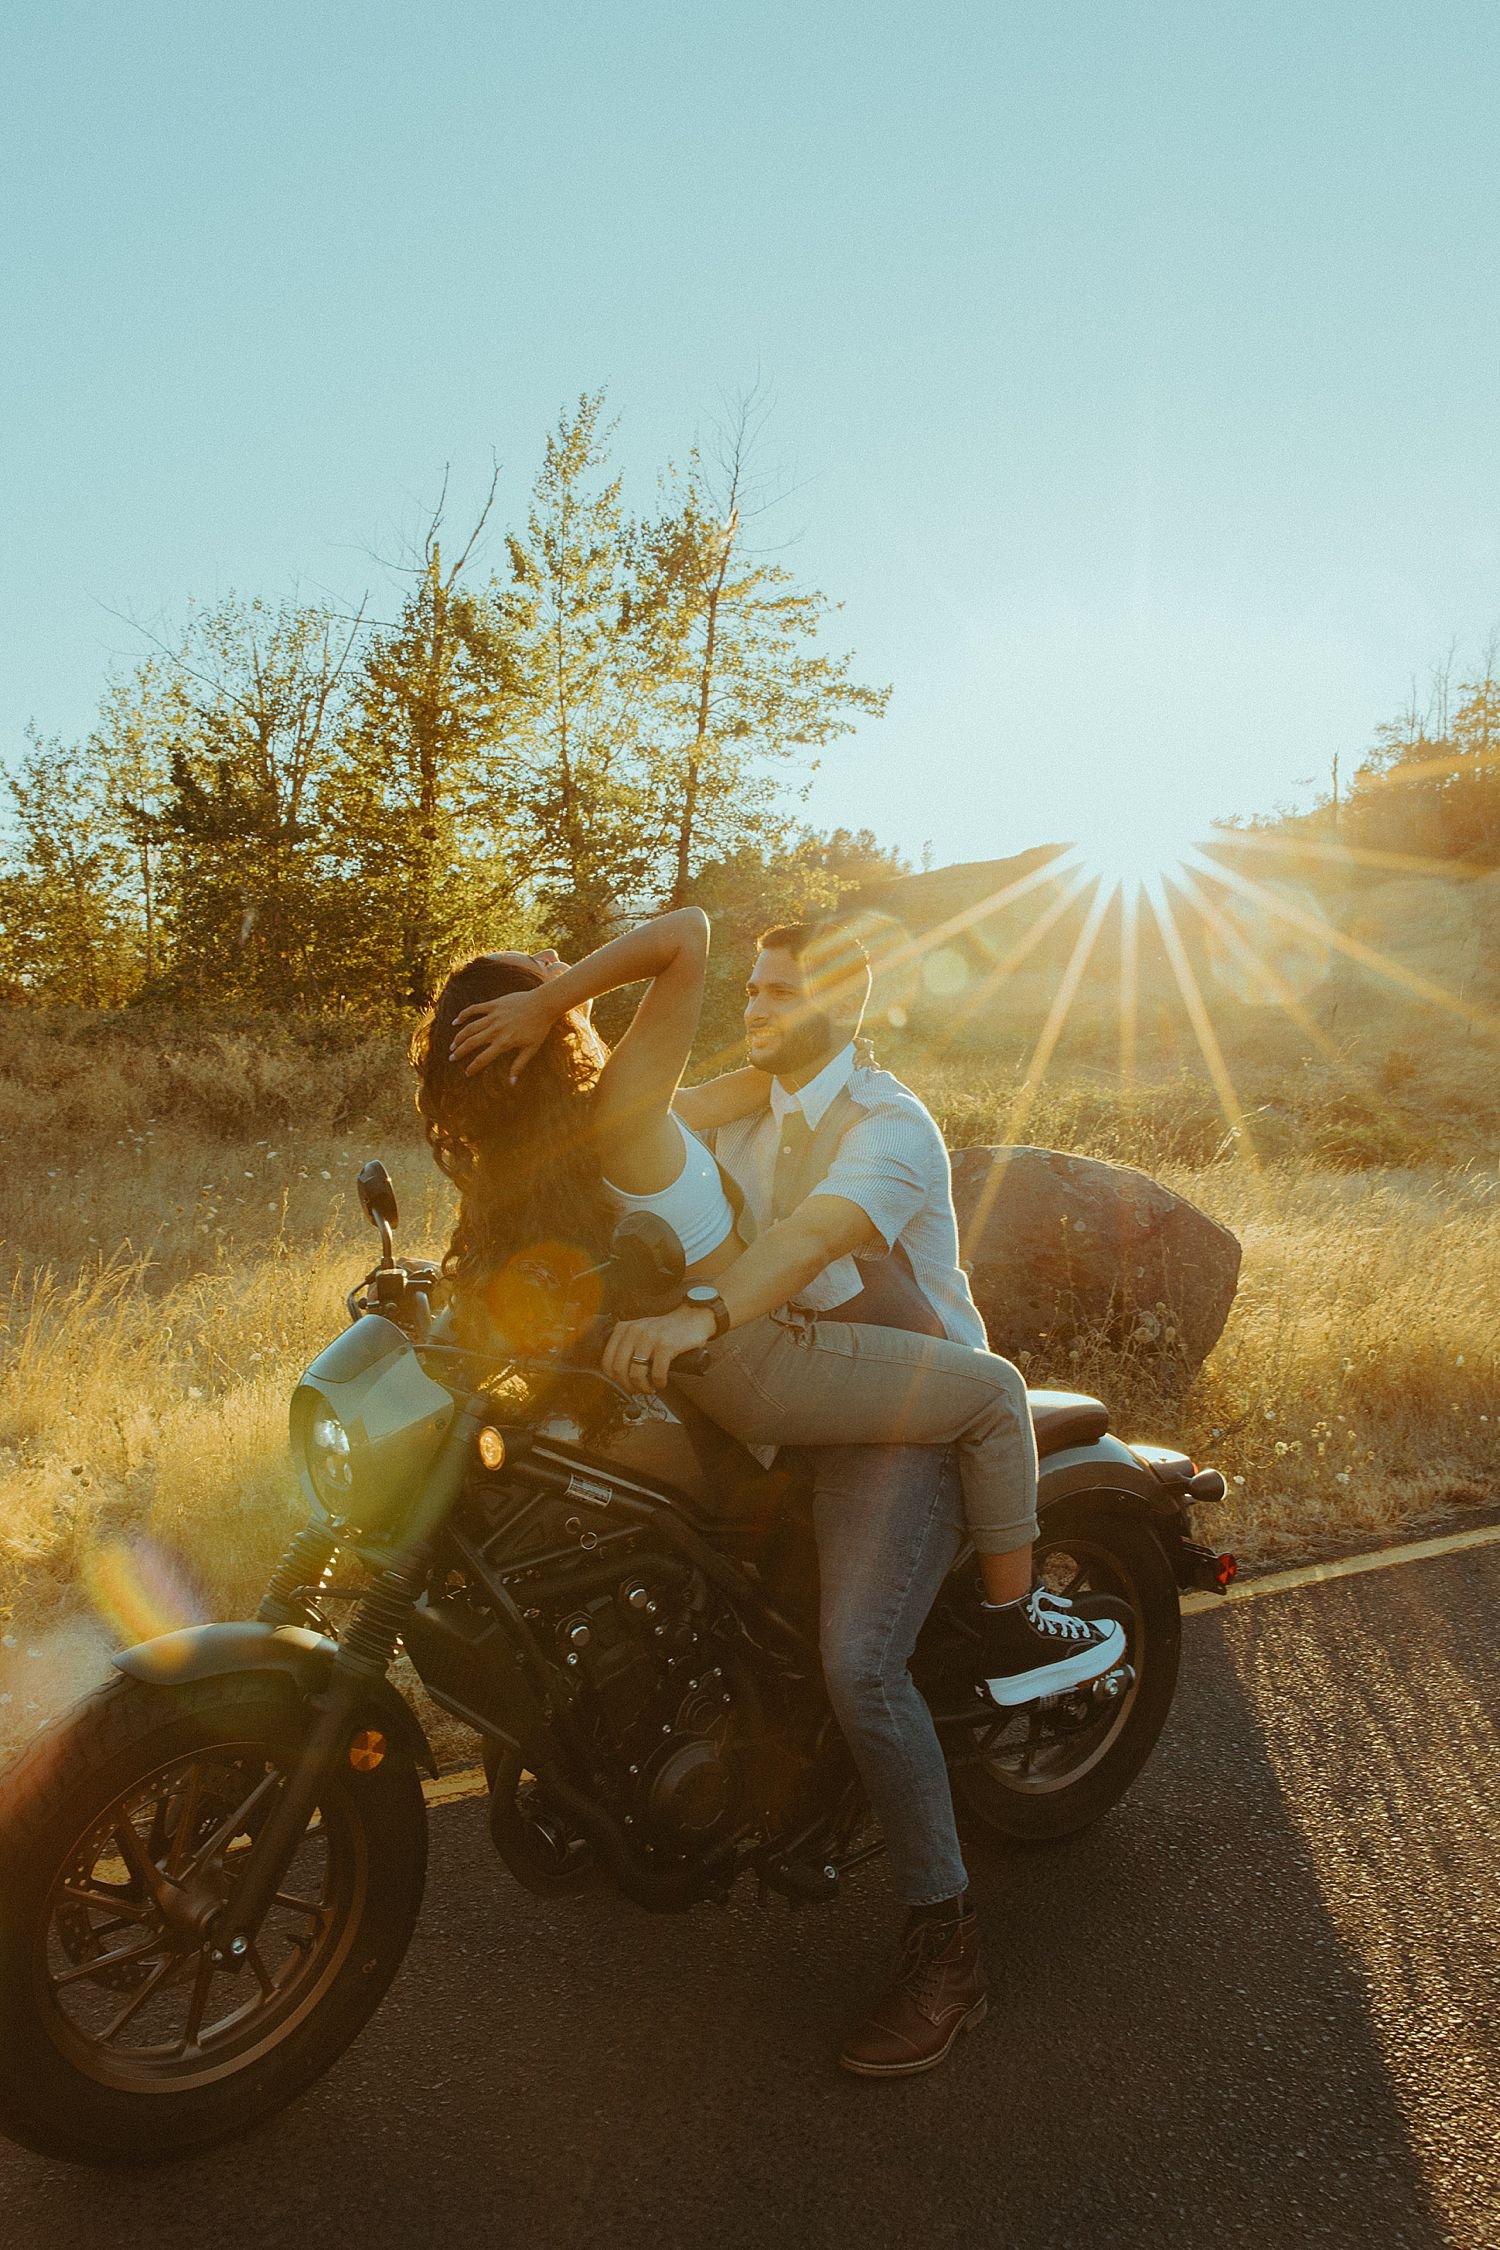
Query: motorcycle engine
x,y
656,1698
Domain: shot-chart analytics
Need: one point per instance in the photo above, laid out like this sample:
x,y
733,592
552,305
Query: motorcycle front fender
x,y
209,1652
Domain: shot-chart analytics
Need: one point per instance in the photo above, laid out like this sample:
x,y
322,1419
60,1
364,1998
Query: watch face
x,y
704,1295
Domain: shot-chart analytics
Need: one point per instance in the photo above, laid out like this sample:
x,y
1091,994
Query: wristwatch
x,y
704,1293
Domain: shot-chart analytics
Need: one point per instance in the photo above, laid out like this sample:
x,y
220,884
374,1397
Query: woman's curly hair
x,y
522,1156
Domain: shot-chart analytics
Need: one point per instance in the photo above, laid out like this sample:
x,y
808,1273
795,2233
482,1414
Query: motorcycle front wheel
x,y
122,1828
1048,1769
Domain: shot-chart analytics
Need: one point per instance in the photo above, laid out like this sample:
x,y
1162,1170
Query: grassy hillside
x,y
1332,1056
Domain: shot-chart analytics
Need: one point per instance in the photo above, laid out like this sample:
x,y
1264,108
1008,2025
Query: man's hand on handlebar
x,y
640,1353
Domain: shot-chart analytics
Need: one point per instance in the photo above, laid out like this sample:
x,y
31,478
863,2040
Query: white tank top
x,y
695,1206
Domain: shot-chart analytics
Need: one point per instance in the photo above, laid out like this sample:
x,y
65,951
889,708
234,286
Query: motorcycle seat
x,y
1064,1418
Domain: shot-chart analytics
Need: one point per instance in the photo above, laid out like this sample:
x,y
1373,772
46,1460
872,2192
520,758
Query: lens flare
x,y
544,1298
1257,955
139,1590
945,973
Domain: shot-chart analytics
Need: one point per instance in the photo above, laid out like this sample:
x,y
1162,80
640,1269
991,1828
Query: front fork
x,y
363,1658
232,1930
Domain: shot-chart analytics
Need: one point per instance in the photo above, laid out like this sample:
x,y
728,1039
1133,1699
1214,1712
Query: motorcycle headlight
x,y
329,1462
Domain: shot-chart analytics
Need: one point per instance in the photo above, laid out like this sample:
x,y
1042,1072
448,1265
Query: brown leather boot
x,y
938,1992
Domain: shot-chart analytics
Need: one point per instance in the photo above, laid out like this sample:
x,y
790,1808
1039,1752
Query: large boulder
x,y
1055,1245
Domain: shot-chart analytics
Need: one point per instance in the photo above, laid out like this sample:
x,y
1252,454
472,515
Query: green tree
x,y
140,716
259,693
424,798
1431,785
583,646
1472,792
742,684
289,808
65,933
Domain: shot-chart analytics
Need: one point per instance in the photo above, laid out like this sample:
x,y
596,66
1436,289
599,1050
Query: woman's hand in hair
x,y
514,1024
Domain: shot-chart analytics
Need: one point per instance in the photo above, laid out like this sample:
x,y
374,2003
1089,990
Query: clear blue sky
x,y
1135,364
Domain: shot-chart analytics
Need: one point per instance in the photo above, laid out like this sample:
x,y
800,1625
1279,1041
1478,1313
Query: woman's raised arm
x,y
639,1144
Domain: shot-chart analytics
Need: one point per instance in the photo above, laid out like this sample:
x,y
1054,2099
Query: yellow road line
x,y
455,1788
1347,1566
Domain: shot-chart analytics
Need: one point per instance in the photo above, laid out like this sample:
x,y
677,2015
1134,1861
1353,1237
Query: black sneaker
x,y
1097,1609
1042,1646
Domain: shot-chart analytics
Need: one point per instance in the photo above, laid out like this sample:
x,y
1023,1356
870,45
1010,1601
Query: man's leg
x,y
889,1523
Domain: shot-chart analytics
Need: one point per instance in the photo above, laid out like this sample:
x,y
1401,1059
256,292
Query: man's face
x,y
784,1030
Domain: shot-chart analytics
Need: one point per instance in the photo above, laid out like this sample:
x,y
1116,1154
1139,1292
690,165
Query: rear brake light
x,y
1226,1570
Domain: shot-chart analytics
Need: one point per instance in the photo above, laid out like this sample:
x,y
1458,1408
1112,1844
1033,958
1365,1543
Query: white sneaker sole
x,y
1056,1678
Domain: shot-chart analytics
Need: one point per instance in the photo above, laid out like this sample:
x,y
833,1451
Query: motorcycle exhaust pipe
x,y
657,1893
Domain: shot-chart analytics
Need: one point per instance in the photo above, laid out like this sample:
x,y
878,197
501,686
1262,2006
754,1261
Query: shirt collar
x,y
816,1095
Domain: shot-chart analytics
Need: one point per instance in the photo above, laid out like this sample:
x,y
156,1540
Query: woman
x,y
548,1145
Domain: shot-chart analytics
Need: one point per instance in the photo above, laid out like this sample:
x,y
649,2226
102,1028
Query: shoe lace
x,y
1054,1614
921,1952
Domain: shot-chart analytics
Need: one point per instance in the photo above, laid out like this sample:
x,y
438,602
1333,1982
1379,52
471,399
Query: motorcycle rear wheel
x,y
1039,1774
120,2039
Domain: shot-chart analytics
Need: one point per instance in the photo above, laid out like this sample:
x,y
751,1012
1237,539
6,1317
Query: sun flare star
x,y
1128,846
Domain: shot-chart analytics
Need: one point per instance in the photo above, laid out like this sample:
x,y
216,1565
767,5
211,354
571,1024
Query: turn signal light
x,y
1226,1570
491,1449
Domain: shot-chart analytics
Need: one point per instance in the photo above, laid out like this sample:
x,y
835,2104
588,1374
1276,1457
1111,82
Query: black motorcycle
x,y
210,1868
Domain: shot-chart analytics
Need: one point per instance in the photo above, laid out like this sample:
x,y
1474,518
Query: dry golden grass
x,y
1356,1388
180,1224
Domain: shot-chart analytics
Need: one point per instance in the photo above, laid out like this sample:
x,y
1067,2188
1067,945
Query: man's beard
x,y
813,1039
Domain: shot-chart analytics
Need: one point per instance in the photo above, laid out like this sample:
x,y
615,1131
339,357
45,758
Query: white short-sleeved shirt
x,y
892,1163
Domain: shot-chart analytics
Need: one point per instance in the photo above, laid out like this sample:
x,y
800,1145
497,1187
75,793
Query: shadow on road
x,y
1180,2055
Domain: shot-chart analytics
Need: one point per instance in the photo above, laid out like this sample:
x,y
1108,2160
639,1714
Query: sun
x,y
1135,842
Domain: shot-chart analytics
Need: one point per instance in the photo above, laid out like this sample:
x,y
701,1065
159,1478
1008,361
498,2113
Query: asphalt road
x,y
1258,2005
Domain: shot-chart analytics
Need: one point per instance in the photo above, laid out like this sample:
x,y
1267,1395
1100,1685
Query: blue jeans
x,y
889,1523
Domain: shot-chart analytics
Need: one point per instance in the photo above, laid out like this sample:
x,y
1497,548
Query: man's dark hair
x,y
832,956
824,938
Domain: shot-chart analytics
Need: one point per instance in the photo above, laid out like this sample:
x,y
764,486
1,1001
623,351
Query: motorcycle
x,y
211,1867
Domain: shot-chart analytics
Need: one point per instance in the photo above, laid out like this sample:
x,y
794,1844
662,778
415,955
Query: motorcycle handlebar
x,y
586,1352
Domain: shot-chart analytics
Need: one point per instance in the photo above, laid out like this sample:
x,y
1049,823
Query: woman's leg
x,y
1005,1578
841,1383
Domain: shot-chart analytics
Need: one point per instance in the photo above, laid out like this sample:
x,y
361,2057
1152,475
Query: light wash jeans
x,y
889,1523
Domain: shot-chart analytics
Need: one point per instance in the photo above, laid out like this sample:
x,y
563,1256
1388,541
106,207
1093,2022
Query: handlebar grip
x,y
691,1363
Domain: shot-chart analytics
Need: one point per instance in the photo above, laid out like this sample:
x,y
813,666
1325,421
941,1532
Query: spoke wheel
x,y
135,1995
1048,1769
122,1833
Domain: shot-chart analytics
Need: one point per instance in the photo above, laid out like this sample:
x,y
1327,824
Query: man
x,y
847,1185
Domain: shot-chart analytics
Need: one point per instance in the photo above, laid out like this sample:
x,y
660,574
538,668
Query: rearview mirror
x,y
376,1193
378,1201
